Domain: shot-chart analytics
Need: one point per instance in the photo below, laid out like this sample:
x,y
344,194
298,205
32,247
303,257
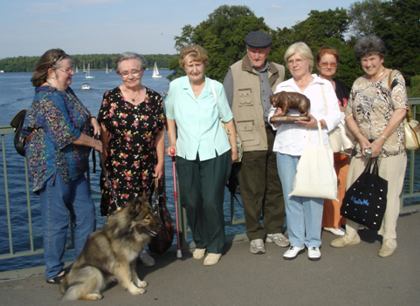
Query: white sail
x,y
88,75
156,73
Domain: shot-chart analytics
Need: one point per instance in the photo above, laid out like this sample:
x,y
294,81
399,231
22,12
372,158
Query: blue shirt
x,y
199,131
58,118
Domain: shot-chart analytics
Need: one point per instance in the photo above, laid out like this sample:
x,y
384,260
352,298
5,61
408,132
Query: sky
x,y
30,27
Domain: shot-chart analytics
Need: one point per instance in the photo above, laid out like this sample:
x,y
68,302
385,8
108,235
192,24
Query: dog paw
x,y
141,284
93,297
136,291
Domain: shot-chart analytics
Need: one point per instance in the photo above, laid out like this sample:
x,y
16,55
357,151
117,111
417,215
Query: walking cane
x,y
178,238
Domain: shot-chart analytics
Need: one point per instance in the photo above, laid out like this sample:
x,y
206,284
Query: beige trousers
x,y
392,169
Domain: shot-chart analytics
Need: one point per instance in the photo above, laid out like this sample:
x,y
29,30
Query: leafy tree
x,y
222,35
399,27
320,29
362,15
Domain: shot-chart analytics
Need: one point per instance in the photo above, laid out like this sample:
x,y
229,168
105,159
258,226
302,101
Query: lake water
x,y
16,93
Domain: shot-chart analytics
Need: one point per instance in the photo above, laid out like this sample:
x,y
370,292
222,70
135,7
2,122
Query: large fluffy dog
x,y
111,253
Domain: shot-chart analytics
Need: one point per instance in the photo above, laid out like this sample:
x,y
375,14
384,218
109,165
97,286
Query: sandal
x,y
56,279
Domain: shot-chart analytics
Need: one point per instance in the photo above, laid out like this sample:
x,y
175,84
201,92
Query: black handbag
x,y
365,200
163,240
19,140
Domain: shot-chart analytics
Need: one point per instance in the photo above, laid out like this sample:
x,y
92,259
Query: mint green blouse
x,y
199,132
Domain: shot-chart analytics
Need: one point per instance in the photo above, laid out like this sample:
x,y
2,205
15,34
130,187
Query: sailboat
x,y
106,69
88,75
156,74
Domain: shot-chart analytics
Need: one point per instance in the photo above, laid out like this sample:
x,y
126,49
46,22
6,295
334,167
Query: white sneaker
x,y
293,252
212,259
146,259
256,246
278,238
199,253
335,231
314,253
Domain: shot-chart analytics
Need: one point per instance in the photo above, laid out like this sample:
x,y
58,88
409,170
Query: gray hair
x,y
128,56
368,45
302,49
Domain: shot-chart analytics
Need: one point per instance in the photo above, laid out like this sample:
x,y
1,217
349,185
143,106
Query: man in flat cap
x,y
249,84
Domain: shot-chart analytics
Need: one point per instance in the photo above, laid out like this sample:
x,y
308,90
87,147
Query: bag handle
x,y
372,166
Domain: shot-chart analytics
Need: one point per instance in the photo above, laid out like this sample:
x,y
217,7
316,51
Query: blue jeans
x,y
61,203
303,215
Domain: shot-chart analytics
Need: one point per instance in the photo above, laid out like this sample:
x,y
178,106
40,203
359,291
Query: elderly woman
x,y
132,121
327,63
195,106
58,126
377,107
303,214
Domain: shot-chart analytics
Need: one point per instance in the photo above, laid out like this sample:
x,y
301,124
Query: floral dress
x,y
132,147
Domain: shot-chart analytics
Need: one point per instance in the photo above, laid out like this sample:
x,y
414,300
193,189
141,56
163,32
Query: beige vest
x,y
246,104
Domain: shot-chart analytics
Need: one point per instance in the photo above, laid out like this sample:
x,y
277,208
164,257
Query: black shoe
x,y
56,279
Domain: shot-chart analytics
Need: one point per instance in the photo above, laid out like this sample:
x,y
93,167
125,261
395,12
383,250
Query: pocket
x,y
248,133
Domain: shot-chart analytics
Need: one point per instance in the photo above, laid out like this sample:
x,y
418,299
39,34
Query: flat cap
x,y
258,39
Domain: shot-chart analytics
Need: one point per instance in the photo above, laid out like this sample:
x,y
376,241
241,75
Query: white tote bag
x,y
315,173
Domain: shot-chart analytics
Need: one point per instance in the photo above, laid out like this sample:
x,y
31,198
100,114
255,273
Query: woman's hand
x,y
171,151
278,112
96,126
234,155
376,146
158,171
365,146
312,123
97,145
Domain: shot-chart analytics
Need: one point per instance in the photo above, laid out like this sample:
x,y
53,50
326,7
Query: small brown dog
x,y
291,100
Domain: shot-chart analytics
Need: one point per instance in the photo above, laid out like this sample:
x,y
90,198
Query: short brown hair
x,y
47,60
327,50
197,52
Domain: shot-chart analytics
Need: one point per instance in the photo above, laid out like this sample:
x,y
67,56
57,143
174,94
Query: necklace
x,y
378,76
132,96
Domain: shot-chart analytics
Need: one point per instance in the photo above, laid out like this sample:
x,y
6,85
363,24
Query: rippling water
x,y
16,92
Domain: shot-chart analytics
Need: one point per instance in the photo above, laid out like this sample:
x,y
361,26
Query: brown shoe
x,y
388,247
346,240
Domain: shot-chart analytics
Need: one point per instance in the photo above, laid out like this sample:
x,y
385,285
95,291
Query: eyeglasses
x,y
326,65
67,70
134,73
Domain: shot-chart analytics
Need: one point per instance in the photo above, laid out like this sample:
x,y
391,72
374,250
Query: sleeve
x,y
398,91
333,116
106,111
228,85
225,112
169,103
270,114
56,122
160,113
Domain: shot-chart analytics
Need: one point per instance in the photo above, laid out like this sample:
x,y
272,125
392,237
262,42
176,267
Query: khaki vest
x,y
246,104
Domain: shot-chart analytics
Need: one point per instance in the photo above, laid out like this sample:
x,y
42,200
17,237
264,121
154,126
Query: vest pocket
x,y
248,133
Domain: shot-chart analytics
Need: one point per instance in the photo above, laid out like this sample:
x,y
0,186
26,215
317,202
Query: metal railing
x,y
410,199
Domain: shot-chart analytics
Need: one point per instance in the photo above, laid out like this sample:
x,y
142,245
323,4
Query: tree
x,y
222,35
320,29
399,27
362,16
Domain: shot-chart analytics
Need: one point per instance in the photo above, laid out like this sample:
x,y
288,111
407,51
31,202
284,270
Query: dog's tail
x,y
84,284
